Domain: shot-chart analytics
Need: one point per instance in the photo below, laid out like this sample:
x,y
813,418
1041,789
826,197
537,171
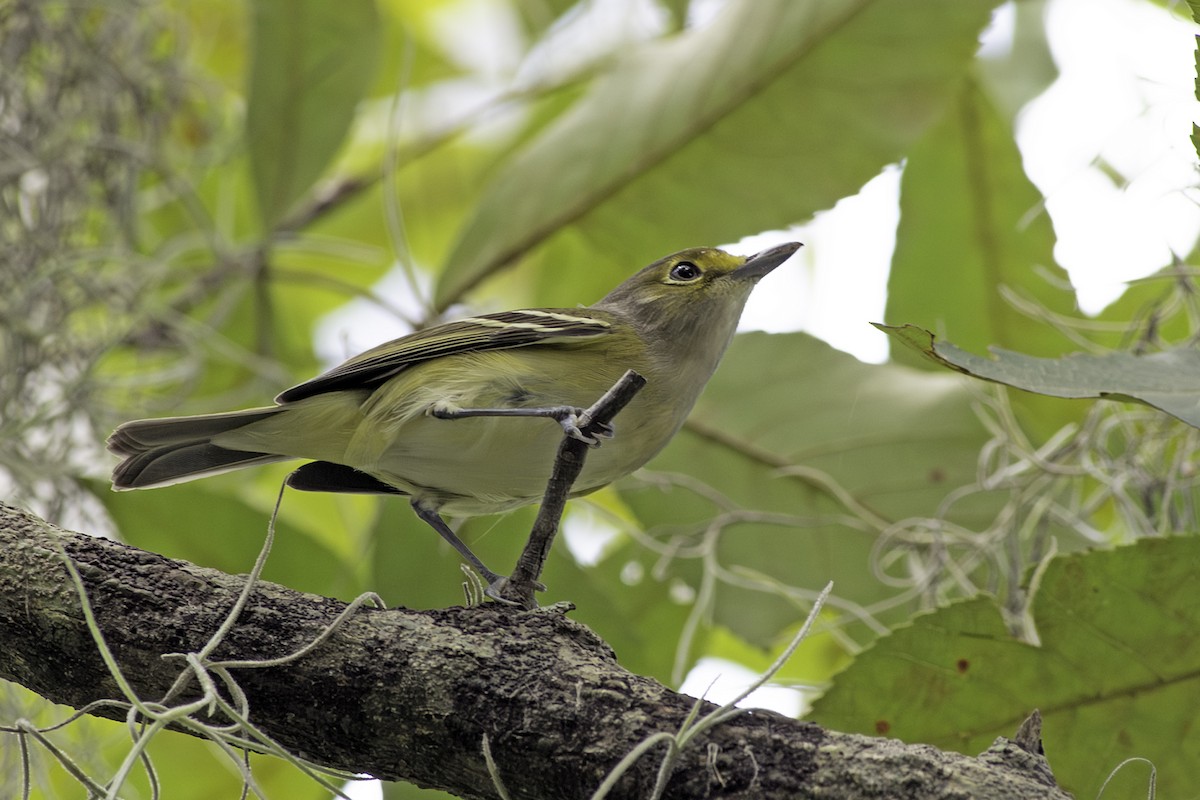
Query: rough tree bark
x,y
407,695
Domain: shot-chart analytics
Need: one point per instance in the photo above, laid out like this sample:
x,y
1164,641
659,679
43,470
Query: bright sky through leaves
x,y
1127,68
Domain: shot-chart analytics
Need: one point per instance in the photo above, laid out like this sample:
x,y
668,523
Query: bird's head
x,y
693,298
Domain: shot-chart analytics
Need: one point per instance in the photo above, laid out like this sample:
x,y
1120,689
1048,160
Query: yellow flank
x,y
487,464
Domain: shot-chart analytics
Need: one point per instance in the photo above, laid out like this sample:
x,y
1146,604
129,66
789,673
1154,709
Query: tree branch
x,y
568,463
410,695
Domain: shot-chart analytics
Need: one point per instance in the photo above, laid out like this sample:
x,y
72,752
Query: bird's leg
x,y
571,418
495,581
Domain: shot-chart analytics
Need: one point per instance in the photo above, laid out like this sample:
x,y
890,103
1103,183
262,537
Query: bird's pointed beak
x,y
760,264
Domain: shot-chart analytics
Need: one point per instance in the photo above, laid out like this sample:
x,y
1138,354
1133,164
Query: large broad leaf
x,y
773,111
969,231
208,524
1117,673
1168,380
313,61
840,449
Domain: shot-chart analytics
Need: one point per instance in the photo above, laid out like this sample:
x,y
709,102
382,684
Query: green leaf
x,y
222,531
638,618
536,16
970,230
770,113
1026,69
814,663
312,63
187,768
1149,313
412,46
1168,380
1117,673
789,426
407,791
412,566
1194,5
306,284
678,9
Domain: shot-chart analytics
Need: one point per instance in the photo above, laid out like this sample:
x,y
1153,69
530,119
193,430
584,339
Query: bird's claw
x,y
495,589
604,430
497,585
574,420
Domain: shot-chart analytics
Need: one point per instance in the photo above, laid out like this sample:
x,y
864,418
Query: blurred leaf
x,y
410,565
308,284
678,9
1194,6
224,187
1167,380
773,111
95,745
1115,675
1024,70
341,523
233,343
537,16
406,791
589,281
438,177
312,63
434,190
191,769
789,426
221,531
625,605
217,32
971,228
187,768
814,663
411,52
1152,311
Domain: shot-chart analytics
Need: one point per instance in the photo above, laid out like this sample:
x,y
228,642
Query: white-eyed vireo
x,y
453,416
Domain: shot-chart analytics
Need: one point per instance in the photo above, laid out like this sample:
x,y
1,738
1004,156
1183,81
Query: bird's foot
x,y
574,420
511,593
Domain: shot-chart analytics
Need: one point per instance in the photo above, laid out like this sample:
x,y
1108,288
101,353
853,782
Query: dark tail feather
x,y
159,452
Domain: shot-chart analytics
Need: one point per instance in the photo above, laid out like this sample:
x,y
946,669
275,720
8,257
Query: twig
x,y
568,463
324,199
494,770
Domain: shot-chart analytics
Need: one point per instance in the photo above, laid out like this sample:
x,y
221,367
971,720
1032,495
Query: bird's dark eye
x,y
685,271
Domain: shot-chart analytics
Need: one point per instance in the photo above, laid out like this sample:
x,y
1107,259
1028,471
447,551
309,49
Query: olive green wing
x,y
501,331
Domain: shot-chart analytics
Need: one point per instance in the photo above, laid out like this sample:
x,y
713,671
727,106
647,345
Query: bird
x,y
454,416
